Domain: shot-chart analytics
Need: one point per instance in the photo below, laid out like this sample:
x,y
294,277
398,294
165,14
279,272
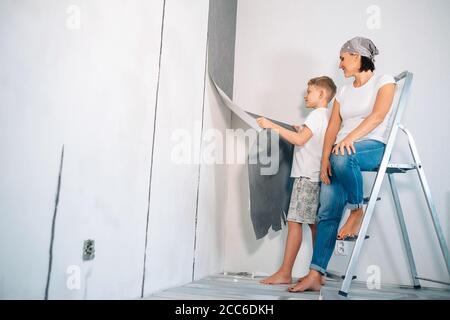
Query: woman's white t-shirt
x,y
307,158
357,103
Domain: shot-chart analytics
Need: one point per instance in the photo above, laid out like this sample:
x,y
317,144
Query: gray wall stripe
x,y
200,159
52,237
153,147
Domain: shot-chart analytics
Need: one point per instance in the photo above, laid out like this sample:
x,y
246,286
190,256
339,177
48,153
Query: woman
x,y
354,141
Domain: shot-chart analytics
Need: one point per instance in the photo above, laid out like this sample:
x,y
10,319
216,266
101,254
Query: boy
x,y
308,142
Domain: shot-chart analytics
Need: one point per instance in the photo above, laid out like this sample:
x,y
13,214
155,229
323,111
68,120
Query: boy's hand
x,y
264,123
325,171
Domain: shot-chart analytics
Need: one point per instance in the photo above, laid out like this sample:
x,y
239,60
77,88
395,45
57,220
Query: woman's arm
x,y
296,138
382,105
330,138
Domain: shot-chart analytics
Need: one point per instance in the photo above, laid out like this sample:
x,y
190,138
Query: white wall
x,y
94,89
282,44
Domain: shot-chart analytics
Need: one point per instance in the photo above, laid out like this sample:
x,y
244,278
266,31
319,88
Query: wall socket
x,y
88,250
342,248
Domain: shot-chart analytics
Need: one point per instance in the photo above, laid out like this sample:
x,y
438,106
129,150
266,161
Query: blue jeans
x,y
345,189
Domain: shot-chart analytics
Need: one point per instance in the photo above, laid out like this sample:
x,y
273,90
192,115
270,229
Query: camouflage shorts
x,y
304,201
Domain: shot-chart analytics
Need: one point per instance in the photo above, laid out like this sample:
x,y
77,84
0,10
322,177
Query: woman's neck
x,y
361,78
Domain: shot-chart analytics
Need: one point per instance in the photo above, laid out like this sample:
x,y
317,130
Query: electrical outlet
x,y
341,248
88,250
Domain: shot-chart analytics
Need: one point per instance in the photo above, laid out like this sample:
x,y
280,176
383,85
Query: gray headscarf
x,y
362,46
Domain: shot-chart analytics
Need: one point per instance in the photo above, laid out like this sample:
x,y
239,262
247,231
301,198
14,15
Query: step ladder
x,y
390,169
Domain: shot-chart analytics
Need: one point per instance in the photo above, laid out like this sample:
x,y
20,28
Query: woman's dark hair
x,y
366,64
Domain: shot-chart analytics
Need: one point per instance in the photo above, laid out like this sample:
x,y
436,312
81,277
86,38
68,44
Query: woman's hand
x,y
325,171
297,128
264,123
346,144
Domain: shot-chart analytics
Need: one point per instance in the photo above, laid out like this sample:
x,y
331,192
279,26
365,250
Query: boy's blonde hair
x,y
326,83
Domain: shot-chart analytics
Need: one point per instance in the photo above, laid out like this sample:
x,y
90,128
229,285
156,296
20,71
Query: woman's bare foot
x,y
277,278
352,225
322,280
312,282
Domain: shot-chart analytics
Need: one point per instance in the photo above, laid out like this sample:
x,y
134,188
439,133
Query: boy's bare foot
x,y
352,225
312,282
277,278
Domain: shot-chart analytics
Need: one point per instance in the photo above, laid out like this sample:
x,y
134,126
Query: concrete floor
x,y
241,286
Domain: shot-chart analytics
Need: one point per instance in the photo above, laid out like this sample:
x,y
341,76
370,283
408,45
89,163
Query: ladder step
x,y
366,200
353,239
398,167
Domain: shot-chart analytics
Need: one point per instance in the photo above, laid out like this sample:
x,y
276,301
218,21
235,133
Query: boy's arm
x,y
333,128
296,138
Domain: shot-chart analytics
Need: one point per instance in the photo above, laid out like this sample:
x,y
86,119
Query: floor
x,y
244,286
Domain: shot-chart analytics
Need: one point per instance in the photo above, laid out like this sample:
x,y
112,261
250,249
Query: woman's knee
x,y
341,163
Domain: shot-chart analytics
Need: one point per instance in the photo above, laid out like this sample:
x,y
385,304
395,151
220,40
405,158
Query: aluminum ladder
x,y
390,169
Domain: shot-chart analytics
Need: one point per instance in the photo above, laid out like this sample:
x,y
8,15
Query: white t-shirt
x,y
307,158
357,103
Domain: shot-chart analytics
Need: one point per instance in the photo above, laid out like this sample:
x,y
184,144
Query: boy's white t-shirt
x,y
307,158
357,103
